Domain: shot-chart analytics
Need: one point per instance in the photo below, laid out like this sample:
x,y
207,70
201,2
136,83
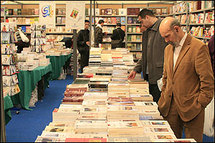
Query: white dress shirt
x,y
178,49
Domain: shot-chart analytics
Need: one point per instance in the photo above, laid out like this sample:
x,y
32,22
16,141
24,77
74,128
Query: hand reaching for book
x,y
132,75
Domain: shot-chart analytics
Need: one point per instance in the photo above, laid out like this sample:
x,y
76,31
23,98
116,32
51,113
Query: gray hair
x,y
175,22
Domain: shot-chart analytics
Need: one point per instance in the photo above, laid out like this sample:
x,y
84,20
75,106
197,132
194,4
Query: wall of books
x,y
27,14
197,17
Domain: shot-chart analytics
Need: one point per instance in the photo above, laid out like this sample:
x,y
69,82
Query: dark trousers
x,y
154,91
84,61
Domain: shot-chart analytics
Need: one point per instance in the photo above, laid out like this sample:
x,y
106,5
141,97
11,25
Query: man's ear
x,y
176,28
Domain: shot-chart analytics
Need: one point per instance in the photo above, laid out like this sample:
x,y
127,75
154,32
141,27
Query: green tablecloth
x,y
7,105
27,83
57,63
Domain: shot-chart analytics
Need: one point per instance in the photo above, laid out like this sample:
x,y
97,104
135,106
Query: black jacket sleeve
x,y
81,41
99,35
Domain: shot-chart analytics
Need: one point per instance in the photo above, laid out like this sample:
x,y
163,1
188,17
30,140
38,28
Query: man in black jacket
x,y
83,44
118,34
151,63
99,34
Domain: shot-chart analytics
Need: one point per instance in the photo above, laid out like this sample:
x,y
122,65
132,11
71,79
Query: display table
x,y
7,105
27,83
57,63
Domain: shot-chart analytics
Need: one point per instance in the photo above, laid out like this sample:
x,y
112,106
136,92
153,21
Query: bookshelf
x,y
197,17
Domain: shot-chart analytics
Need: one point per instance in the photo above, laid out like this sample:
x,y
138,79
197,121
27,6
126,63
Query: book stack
x,y
95,57
113,108
91,126
139,90
157,129
106,60
74,93
118,89
125,128
66,113
98,86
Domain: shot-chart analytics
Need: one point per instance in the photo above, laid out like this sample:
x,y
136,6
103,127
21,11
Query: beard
x,y
176,43
172,43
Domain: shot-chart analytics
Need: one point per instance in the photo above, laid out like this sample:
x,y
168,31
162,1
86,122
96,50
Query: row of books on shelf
x,y
107,11
134,29
197,18
29,11
198,5
201,18
60,20
110,20
191,6
132,20
134,38
202,32
23,20
137,47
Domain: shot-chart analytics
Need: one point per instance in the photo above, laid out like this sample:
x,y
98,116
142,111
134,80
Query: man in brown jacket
x,y
188,82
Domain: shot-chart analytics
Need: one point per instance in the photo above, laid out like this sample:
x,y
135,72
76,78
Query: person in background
x,y
117,37
151,63
99,33
83,45
188,82
20,43
68,41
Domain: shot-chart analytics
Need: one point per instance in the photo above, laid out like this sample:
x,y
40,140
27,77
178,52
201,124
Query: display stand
x,y
3,135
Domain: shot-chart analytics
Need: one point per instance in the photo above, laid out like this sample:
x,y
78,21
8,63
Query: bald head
x,y
170,29
168,23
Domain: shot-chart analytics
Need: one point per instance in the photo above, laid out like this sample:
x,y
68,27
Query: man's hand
x,y
132,75
88,43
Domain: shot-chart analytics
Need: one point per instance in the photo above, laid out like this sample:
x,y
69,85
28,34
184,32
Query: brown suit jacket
x,y
191,82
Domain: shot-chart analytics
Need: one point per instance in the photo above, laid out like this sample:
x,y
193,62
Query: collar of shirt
x,y
99,25
181,43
